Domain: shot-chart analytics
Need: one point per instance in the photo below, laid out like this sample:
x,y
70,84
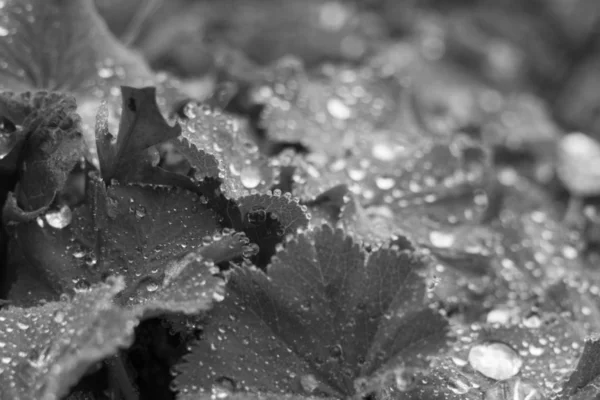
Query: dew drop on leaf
x,y
338,109
309,383
458,386
61,218
250,176
385,182
218,296
532,321
495,360
441,239
152,287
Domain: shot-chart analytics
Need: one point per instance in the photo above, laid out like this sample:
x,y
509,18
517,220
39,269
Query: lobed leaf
x,y
62,45
324,316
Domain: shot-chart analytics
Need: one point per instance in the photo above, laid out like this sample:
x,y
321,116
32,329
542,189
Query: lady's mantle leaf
x,y
142,126
45,350
327,316
188,287
61,44
216,145
145,228
256,208
51,129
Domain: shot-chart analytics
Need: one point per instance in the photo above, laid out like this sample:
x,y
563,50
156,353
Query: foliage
x,y
381,226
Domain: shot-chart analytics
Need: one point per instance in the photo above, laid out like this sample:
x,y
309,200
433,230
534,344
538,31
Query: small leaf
x,y
325,315
142,126
45,350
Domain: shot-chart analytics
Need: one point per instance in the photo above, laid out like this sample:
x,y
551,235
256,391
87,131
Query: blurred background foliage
x,y
548,47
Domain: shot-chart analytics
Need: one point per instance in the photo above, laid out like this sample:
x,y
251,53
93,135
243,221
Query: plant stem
x,y
119,379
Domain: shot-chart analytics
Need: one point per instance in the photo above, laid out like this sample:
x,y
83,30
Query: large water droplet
x,y
250,176
441,239
309,383
338,109
383,152
61,218
385,182
495,360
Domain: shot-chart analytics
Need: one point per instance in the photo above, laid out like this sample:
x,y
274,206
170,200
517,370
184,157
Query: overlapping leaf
x,y
61,45
51,135
126,157
45,350
325,316
218,146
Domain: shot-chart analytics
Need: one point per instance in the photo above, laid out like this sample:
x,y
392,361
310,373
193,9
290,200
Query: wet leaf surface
x,y
318,336
45,350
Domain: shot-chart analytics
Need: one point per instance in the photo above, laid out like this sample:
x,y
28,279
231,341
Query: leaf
x,y
189,290
490,359
212,138
141,127
148,227
256,208
326,315
62,45
53,145
134,231
45,350
328,112
583,382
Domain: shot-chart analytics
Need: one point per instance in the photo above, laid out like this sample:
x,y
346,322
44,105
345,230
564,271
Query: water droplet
x,y
357,174
383,152
385,182
59,219
190,110
441,239
309,383
458,386
336,351
338,109
4,31
152,287
218,296
140,212
536,351
532,321
59,317
250,176
495,360
22,326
